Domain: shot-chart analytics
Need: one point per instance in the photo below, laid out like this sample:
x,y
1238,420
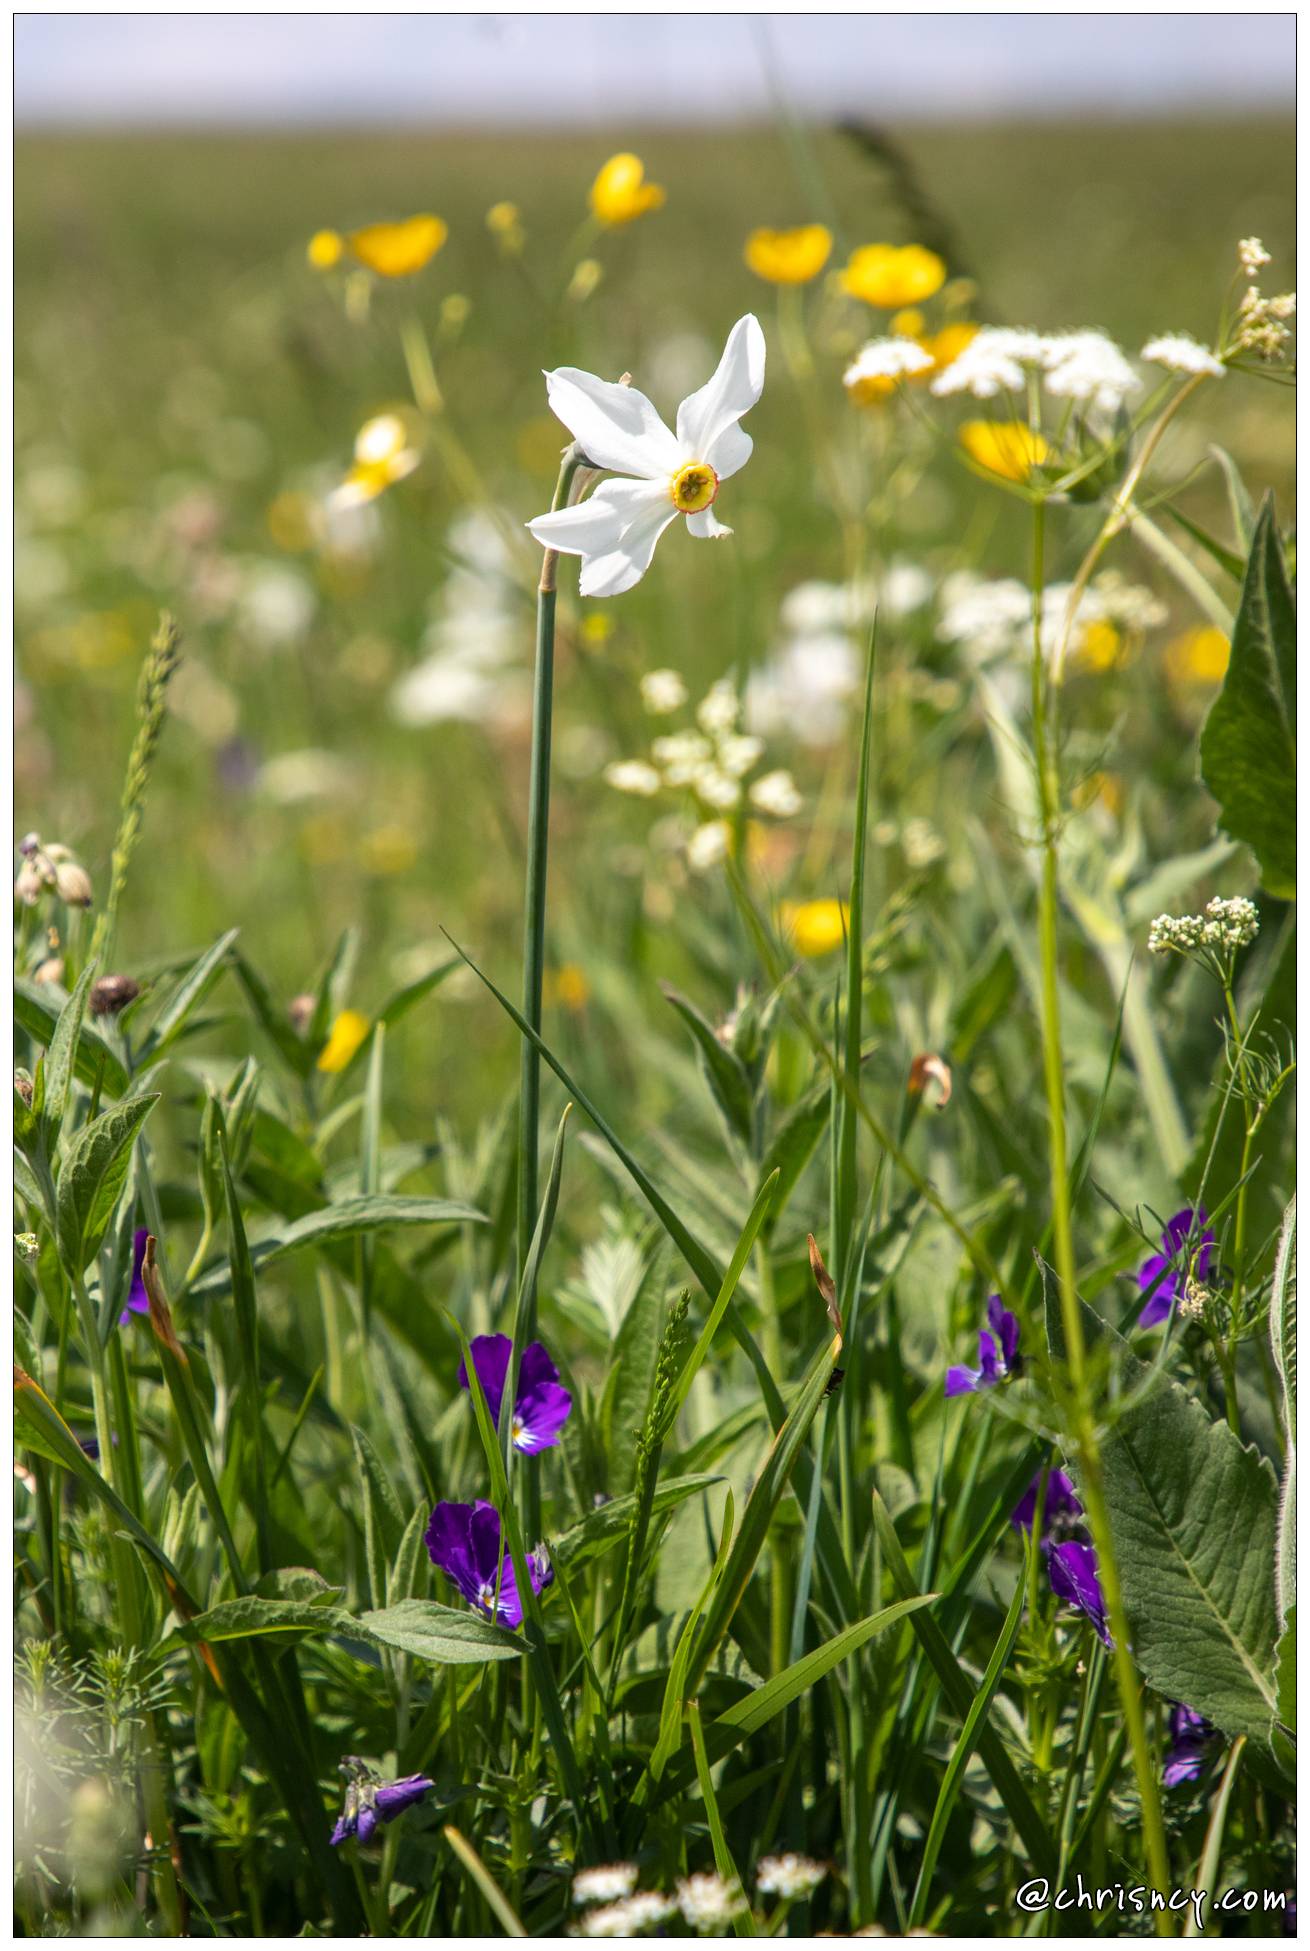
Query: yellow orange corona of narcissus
x,y
621,193
789,257
892,275
815,927
1004,447
398,250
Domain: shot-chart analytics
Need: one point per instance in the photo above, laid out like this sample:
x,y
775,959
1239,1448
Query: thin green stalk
x,y
1083,1418
161,662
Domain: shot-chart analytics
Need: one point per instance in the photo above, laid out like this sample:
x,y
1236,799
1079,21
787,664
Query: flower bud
x,y
113,993
73,884
301,1011
23,1086
29,883
51,970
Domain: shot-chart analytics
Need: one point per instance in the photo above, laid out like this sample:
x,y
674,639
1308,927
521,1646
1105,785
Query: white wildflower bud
x,y
709,1902
738,753
51,970
633,776
777,795
789,1876
1234,922
604,1884
717,710
663,692
680,755
1179,354
29,845
716,788
707,846
629,1917
1252,256
29,884
73,884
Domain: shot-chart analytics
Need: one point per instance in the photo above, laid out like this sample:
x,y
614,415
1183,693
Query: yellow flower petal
x,y
1003,447
892,275
325,249
620,191
815,927
1197,657
789,257
398,250
348,1032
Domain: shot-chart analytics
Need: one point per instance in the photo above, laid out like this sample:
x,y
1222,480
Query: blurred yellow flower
x,y
325,248
389,850
1100,788
789,257
587,274
348,1032
892,275
502,217
597,627
383,455
567,986
910,324
946,346
620,191
815,927
1100,647
398,250
1197,657
1003,447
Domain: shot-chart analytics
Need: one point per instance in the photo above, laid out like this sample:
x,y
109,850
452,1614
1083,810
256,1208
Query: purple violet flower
x,y
138,1301
1062,1509
370,1801
1075,1579
541,1406
1190,1738
998,1353
1164,1276
464,1542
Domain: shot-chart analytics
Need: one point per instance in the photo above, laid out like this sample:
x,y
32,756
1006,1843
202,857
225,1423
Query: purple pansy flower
x,y
1163,1275
138,1301
1062,1509
998,1353
369,1801
1075,1579
464,1541
1190,1739
541,1406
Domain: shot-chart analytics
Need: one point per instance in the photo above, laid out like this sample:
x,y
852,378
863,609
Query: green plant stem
x,y
1082,1414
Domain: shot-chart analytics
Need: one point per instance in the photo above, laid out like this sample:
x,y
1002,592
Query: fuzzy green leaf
x,y
438,1633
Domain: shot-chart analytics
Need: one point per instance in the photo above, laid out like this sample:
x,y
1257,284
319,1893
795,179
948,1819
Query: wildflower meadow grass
x,y
655,1228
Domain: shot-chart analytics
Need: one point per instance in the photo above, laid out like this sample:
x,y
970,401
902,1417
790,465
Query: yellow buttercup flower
x,y
1003,447
383,455
815,927
566,987
325,249
1197,657
789,257
389,850
620,192
944,347
502,217
400,249
892,275
1100,647
347,1033
587,275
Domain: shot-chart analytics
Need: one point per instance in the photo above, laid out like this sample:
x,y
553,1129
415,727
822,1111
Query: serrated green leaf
x,y
251,1618
1192,1515
438,1633
92,1176
298,1582
1248,745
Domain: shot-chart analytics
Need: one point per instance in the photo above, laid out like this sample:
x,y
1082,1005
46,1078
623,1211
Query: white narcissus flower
x,y
615,530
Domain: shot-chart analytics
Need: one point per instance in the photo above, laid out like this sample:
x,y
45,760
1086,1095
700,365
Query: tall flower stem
x,y
534,898
1082,1411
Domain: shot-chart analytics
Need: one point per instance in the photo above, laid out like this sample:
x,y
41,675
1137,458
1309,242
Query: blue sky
x,y
463,69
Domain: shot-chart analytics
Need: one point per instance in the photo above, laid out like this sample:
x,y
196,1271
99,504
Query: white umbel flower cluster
x,y
1180,354
993,362
605,1884
629,1917
789,1876
709,1902
887,359
993,618
1227,924
1086,367
663,692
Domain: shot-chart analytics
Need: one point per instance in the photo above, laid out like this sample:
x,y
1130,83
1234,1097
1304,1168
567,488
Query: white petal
x,y
730,452
738,382
596,526
627,562
616,426
705,528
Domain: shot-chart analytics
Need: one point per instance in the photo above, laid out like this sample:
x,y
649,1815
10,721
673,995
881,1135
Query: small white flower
x,y
708,1902
805,688
887,359
993,362
777,794
604,1884
814,608
669,474
1252,256
629,1917
903,588
789,1875
717,789
921,843
1089,368
663,692
633,776
717,711
681,756
738,753
1182,355
708,846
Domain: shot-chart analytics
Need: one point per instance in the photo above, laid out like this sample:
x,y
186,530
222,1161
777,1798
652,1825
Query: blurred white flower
x,y
383,455
1089,368
887,359
708,845
441,689
738,753
630,1916
275,605
633,776
715,788
993,362
680,756
295,777
473,643
903,588
709,1902
805,689
1182,355
921,843
663,692
789,1875
810,609
718,710
605,1883
616,529
777,794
